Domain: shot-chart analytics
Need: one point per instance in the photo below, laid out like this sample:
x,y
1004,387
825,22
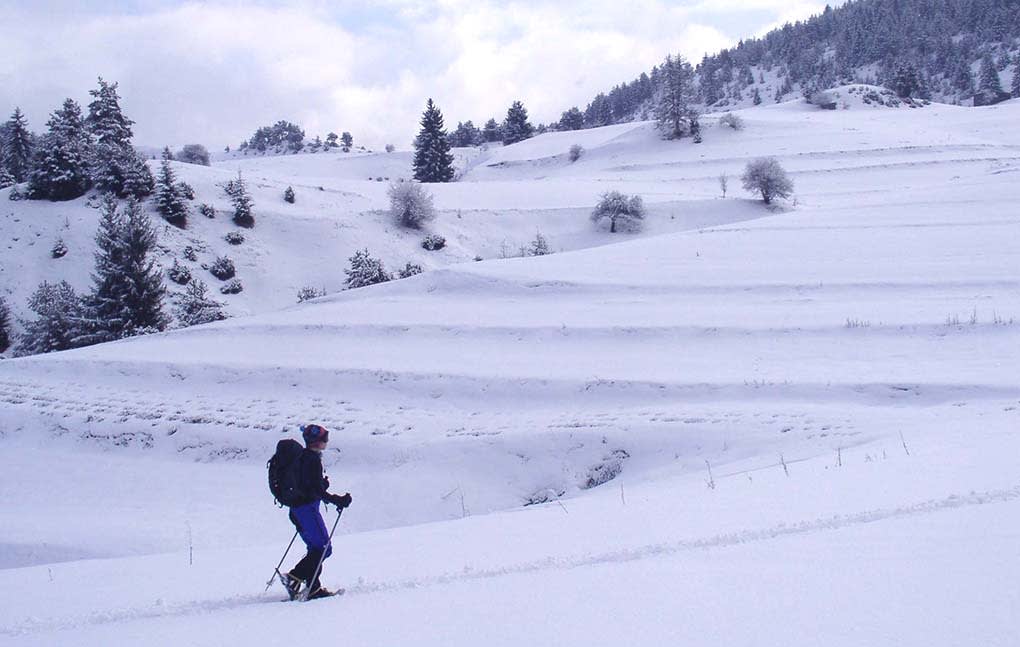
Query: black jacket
x,y
313,483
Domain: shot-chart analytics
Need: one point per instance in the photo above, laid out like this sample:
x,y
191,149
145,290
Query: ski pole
x,y
322,558
276,571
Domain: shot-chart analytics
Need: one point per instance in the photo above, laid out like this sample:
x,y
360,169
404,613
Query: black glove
x,y
340,502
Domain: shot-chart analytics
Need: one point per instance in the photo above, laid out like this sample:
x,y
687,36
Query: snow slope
x,y
746,427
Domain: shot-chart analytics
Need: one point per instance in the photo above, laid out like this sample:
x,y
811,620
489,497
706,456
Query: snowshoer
x,y
307,518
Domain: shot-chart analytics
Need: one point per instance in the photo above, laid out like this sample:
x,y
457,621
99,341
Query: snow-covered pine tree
x,y
572,119
6,178
1015,87
365,270
17,146
516,126
347,141
5,326
288,194
60,167
58,317
116,166
243,204
674,97
195,306
539,246
491,132
169,201
127,293
988,77
432,159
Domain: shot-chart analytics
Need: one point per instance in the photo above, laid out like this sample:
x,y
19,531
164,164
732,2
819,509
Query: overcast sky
x,y
211,72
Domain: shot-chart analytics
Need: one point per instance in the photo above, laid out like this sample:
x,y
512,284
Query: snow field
x,y
809,414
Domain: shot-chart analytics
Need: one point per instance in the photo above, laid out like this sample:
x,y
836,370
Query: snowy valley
x,y
744,425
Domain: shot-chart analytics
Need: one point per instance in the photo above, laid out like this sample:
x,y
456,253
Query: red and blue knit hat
x,y
314,434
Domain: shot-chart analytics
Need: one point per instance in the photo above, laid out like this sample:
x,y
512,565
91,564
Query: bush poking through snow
x,y
185,190
195,307
390,148
308,293
233,286
222,268
625,212
409,270
234,237
433,242
189,253
5,325
288,195
365,270
731,120
59,249
607,470
766,176
576,151
193,154
539,246
58,309
179,274
207,210
410,204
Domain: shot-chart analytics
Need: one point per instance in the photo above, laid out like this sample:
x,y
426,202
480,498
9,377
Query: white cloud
x,y
213,72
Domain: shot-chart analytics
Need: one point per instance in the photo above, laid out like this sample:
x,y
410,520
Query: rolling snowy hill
x,y
745,426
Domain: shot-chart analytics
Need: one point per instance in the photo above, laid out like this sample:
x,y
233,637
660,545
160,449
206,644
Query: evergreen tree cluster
x,y
78,152
127,294
918,48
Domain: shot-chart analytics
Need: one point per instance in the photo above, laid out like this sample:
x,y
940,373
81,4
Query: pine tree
x,y
516,127
1016,81
196,307
115,165
243,204
6,179
490,132
347,140
60,169
128,290
988,77
572,119
365,270
56,326
675,94
432,159
5,326
17,146
169,201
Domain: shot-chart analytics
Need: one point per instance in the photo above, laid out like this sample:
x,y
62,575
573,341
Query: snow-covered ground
x,y
745,426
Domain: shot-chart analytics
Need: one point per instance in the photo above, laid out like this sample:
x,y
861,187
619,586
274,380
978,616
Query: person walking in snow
x,y
307,518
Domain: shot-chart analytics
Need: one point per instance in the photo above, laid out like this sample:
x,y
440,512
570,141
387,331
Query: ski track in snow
x,y
649,551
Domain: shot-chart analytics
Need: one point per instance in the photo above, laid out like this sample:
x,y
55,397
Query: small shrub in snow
x,y
731,120
432,242
207,210
179,274
233,286
243,204
5,326
194,154
623,211
724,183
16,194
189,253
576,151
234,237
195,307
410,204
409,270
222,268
307,293
57,325
59,249
185,191
365,270
607,470
390,148
288,195
766,176
539,246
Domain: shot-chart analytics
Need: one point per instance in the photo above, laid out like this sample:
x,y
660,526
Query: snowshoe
x,y
322,592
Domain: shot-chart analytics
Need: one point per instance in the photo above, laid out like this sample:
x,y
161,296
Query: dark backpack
x,y
285,473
